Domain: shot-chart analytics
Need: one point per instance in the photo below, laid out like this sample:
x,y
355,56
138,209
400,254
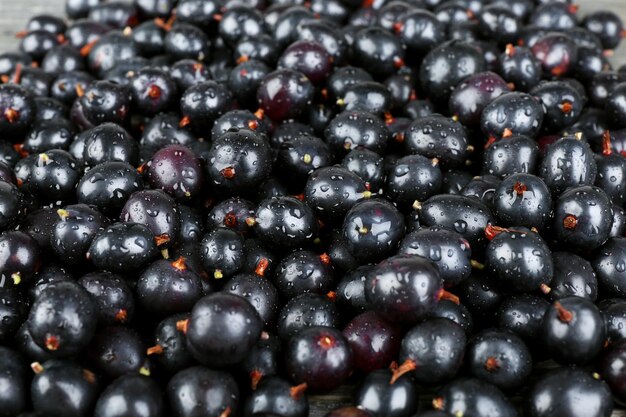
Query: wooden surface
x,y
15,13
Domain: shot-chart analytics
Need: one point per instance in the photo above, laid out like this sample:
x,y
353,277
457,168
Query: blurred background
x,y
15,13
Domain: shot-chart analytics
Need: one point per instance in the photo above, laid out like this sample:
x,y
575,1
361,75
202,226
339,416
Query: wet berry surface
x,y
339,208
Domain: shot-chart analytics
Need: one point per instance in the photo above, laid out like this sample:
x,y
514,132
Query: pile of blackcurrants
x,y
216,208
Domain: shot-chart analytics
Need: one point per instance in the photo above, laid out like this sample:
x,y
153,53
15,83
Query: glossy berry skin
x,y
231,213
164,129
482,188
304,311
222,329
380,397
288,131
166,287
457,313
454,180
301,156
403,288
615,107
177,171
327,35
332,191
245,78
499,22
581,171
372,229
130,395
63,389
105,101
319,357
438,137
49,134
112,295
519,260
185,41
149,37
11,204
259,292
612,369
13,310
152,91
154,209
343,77
400,87
522,200
611,176
556,52
276,396
69,328
563,104
368,165
351,129
264,359
511,155
201,104
606,25
618,228
13,373
238,161
284,94
240,119
222,252
259,258
447,249
519,66
21,258
573,330
260,48
523,314
435,346
569,391
107,142
123,247
413,178
107,186
116,350
582,218
304,271
241,21
308,57
499,357
47,276
460,214
420,30
573,276
523,115
285,223
51,176
473,397
74,231
472,95
18,108
374,341
378,50
607,262
445,66
201,391
173,355
366,96
188,72
39,224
